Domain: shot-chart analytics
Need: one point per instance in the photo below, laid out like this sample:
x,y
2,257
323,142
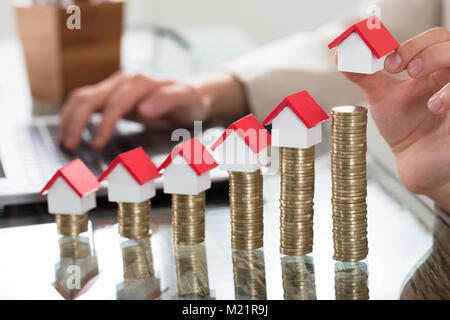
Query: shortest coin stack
x,y
188,218
349,184
134,219
246,204
296,200
71,224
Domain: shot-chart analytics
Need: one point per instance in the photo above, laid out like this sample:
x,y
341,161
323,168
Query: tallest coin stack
x,y
348,168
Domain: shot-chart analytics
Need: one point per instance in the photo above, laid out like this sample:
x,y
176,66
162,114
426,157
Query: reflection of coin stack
x,y
76,258
134,219
137,260
348,165
192,271
298,278
74,248
249,275
72,224
296,200
188,218
139,282
246,204
351,281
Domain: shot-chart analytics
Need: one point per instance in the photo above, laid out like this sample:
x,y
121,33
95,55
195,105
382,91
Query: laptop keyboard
x,y
42,155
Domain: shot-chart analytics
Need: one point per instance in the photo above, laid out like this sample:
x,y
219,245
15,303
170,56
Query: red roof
x,y
78,176
195,154
304,106
379,40
251,131
137,163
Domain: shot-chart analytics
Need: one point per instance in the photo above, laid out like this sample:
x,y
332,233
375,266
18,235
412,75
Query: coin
x,y
134,219
71,224
188,219
296,200
349,184
246,208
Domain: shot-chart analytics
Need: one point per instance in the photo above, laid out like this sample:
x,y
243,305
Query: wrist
x,y
221,94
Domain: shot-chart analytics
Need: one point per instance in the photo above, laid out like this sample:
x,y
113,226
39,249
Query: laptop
x,y
30,153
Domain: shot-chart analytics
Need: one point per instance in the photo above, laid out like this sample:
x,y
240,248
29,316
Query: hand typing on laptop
x,y
160,104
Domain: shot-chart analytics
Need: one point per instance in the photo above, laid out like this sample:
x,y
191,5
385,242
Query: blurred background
x,y
262,20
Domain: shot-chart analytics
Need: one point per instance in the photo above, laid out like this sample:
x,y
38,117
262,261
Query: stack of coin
x,y
351,281
188,219
72,224
137,260
296,200
249,275
348,167
298,278
192,271
134,219
246,204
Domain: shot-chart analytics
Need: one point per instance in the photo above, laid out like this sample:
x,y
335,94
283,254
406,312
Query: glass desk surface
x,y
38,264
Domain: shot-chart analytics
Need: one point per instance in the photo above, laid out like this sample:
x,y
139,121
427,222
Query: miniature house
x,y
186,169
297,121
363,47
130,177
243,146
71,190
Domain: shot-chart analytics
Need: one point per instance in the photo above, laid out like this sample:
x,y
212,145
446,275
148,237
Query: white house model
x,y
297,121
131,177
243,147
363,47
186,169
71,190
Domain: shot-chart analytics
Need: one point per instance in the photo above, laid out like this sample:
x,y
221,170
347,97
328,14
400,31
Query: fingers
x,y
121,102
439,103
404,57
80,105
375,84
166,98
430,60
160,102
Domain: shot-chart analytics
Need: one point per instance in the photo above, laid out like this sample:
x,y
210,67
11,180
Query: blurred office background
x,y
262,20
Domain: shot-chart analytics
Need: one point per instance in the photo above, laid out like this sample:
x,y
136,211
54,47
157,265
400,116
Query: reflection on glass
x,y
249,275
351,281
192,272
139,280
78,265
431,280
298,277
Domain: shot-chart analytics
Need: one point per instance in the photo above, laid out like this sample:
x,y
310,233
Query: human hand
x,y
160,104
413,114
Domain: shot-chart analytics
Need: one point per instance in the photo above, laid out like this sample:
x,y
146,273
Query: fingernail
x,y
435,103
394,61
415,67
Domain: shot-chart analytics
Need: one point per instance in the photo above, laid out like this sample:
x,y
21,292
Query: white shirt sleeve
x,y
304,62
